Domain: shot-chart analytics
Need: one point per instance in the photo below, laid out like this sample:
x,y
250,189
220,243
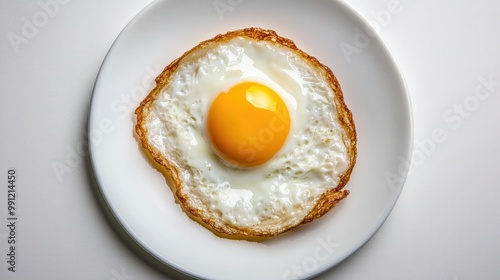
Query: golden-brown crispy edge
x,y
324,204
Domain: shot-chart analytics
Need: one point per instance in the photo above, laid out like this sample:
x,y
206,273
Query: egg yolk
x,y
248,124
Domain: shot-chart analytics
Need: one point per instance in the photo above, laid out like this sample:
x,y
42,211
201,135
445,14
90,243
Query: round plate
x,y
144,205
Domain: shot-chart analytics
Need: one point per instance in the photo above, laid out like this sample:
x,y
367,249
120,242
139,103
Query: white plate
x,y
136,193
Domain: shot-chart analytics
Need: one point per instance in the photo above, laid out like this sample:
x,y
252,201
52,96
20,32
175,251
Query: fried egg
x,y
250,131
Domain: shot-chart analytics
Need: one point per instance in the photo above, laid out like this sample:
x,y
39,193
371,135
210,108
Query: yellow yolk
x,y
248,124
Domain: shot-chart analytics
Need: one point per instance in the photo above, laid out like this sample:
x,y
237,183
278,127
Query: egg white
x,y
284,189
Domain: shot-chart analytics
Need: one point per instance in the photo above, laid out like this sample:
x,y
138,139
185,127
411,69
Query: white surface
x,y
445,224
129,182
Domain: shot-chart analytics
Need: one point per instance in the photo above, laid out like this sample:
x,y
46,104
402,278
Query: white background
x,y
445,226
